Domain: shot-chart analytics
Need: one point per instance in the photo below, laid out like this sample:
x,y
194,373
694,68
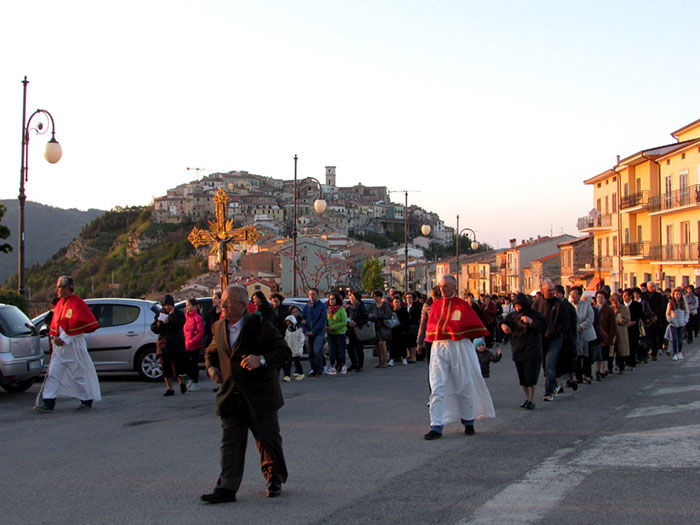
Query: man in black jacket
x,y
557,318
657,325
244,358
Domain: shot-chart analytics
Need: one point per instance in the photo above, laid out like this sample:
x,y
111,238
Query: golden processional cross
x,y
220,234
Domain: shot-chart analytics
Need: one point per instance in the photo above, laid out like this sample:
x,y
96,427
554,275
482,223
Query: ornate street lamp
x,y
474,246
319,206
52,153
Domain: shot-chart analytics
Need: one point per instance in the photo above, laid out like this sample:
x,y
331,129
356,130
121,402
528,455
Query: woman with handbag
x,y
380,312
622,319
357,322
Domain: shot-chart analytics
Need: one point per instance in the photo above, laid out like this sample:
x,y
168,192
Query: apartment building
x,y
646,221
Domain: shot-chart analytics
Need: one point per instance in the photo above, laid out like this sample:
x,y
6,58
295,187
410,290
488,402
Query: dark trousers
x,y
583,367
287,367
356,351
266,431
191,365
655,337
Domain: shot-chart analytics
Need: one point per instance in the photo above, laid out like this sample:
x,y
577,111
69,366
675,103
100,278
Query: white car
x,y
20,353
123,342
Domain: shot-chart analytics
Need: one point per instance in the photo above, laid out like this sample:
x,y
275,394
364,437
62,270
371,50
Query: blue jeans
x,y
550,364
677,338
315,348
336,349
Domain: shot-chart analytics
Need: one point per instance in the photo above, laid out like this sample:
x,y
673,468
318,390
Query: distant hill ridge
x,y
46,230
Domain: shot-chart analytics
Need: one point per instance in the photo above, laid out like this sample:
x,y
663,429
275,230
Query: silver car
x,y
20,353
124,341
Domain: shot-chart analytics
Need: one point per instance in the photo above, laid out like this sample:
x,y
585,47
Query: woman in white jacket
x,y
677,315
585,333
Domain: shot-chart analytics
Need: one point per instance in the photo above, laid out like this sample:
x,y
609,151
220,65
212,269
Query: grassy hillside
x,y
120,254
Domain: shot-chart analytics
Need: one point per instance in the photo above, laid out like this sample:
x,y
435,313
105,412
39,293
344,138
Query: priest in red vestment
x,y
71,372
458,390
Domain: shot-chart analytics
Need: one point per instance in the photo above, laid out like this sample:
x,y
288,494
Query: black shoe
x,y
653,358
359,369
524,405
574,386
183,388
530,405
274,487
219,496
433,434
169,393
85,405
469,430
43,407
351,368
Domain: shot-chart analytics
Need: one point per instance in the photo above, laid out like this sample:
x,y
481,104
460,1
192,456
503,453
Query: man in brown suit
x,y
244,358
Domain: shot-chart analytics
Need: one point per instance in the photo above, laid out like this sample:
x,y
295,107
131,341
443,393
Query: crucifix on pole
x,y
220,233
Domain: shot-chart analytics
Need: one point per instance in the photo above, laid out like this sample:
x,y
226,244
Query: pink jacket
x,y
194,331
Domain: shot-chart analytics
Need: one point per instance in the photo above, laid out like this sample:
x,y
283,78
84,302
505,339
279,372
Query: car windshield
x,y
13,323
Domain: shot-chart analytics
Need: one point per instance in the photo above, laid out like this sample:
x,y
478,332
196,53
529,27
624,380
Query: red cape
x,y
73,316
453,319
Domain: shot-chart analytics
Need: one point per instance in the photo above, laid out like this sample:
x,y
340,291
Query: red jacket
x,y
194,331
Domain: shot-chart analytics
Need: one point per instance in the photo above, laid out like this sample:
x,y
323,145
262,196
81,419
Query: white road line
x,y
534,496
530,499
663,409
676,390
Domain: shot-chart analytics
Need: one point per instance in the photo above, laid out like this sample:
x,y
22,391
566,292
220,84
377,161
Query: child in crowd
x,y
486,357
294,337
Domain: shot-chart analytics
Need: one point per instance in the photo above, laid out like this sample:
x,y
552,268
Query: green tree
x,y
12,297
371,274
4,232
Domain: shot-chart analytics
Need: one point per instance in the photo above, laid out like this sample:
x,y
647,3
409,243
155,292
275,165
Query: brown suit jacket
x,y
260,388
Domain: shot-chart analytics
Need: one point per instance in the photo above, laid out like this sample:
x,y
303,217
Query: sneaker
x,y
298,377
189,384
404,362
331,371
675,357
286,379
548,397
680,356
390,363
344,370
560,389
194,387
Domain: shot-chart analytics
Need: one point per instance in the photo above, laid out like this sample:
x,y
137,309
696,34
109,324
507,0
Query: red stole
x,y
453,319
73,316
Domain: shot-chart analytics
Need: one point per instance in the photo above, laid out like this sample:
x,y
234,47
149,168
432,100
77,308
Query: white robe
x,y
458,389
71,372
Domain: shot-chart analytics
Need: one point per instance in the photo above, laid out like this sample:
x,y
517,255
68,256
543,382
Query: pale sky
x,y
494,110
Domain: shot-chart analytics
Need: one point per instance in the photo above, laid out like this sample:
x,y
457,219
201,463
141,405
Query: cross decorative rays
x,y
220,234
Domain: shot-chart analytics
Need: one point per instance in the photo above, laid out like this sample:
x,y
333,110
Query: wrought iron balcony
x,y
590,223
689,196
636,249
687,252
636,199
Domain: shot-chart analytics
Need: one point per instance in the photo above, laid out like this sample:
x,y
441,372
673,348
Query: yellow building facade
x,y
646,215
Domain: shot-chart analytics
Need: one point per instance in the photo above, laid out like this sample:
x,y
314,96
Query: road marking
x,y
676,390
530,499
663,409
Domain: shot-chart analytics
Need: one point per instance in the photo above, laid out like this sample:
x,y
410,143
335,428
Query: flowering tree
x,y
330,269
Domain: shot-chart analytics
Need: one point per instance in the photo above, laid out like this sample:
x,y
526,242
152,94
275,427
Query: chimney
x,y
512,243
618,161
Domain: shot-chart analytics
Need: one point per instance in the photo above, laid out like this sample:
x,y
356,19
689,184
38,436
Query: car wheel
x,y
148,365
19,386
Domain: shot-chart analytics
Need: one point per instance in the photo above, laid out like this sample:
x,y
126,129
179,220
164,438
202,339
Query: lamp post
x,y
474,246
319,206
425,229
52,153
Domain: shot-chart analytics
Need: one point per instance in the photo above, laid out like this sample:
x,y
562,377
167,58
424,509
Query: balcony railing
x,y
677,252
675,199
636,199
636,249
588,222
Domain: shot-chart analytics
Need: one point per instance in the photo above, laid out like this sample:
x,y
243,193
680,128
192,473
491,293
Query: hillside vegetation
x,y
120,254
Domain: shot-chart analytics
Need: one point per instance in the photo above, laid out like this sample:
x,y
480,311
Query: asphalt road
x,y
625,450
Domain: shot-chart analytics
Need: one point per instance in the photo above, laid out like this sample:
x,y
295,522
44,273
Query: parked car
x,y
123,341
21,358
